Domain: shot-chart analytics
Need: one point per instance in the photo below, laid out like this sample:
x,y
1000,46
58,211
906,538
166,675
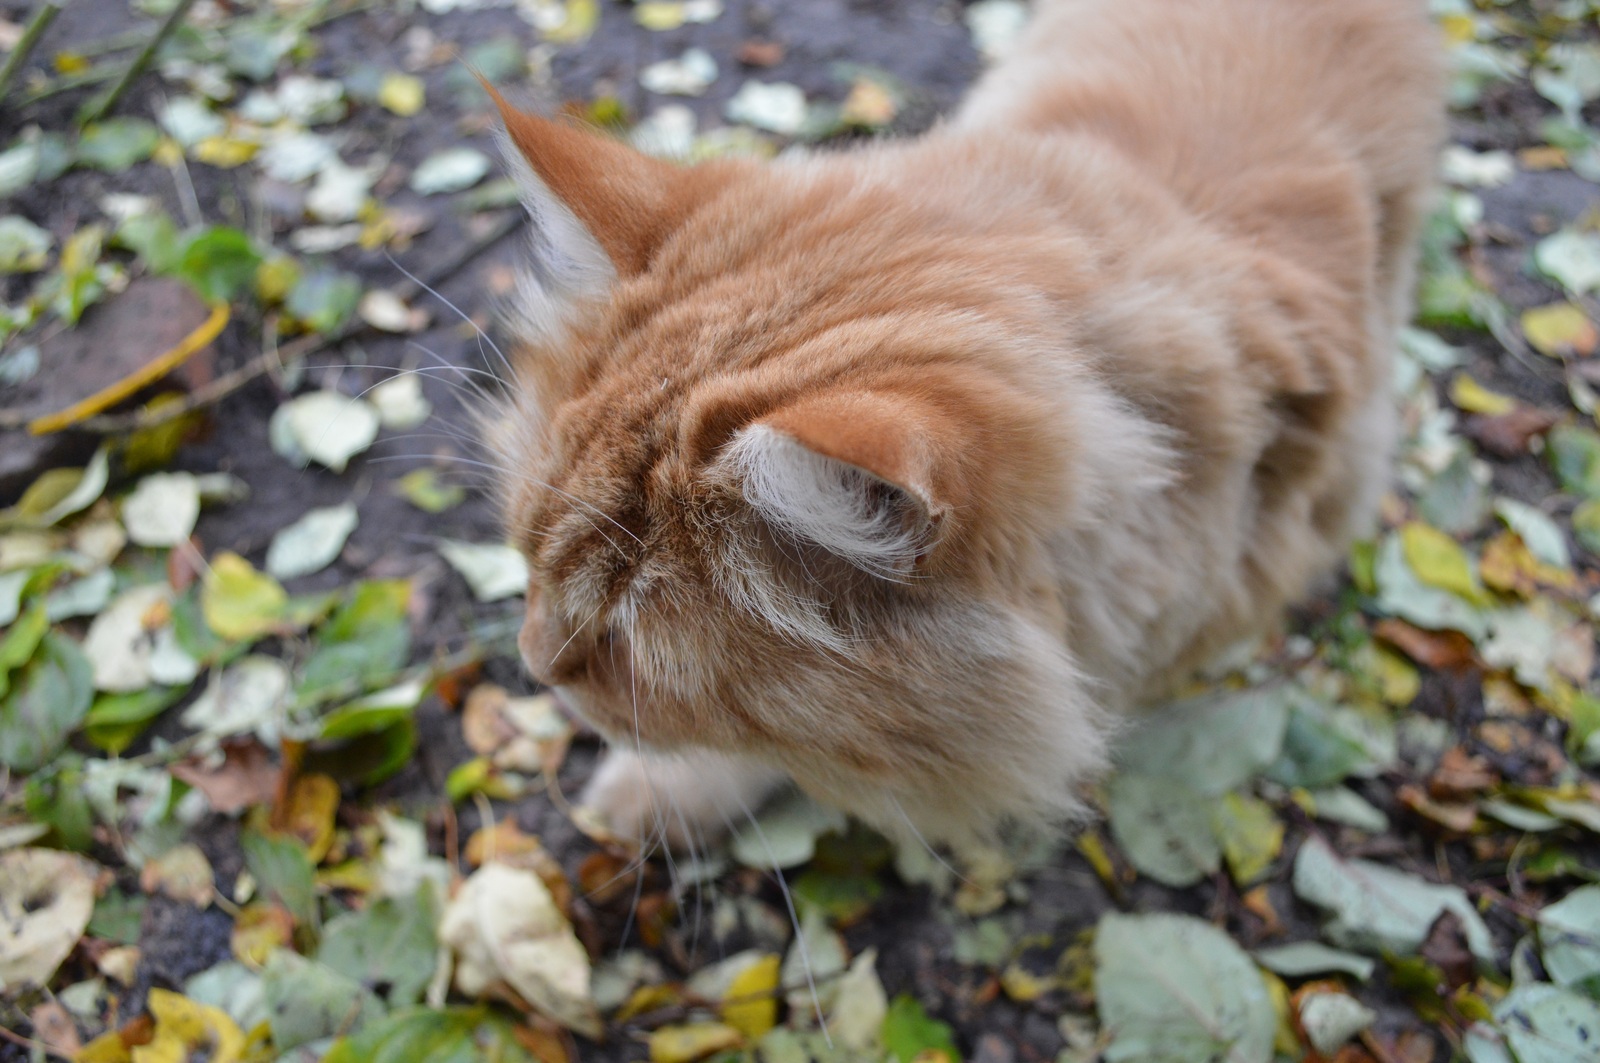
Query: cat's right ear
x,y
600,209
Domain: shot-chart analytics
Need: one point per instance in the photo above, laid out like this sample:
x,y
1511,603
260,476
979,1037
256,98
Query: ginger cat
x,y
904,472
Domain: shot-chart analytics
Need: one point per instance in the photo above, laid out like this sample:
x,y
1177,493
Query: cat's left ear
x,y
866,476
600,209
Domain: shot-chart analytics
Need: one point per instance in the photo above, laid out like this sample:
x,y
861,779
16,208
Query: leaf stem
x,y
30,39
107,100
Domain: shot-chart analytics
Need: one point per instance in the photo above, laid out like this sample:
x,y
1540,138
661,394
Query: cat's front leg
x,y
686,800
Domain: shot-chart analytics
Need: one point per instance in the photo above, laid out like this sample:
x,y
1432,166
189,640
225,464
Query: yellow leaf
x,y
239,602
1559,330
751,1003
659,14
168,153
696,1040
137,380
186,1030
70,63
225,152
1458,29
1473,397
582,17
401,93
1251,835
1439,561
1284,1039
309,812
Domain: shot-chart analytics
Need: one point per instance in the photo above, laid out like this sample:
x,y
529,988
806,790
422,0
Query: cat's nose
x,y
531,643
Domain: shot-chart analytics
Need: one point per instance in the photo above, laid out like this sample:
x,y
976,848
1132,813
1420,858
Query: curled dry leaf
x,y
46,899
508,933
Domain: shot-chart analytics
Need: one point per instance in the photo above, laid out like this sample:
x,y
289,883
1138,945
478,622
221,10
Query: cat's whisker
x,y
917,833
794,918
483,337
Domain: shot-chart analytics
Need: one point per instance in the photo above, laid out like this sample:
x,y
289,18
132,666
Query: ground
x,y
272,754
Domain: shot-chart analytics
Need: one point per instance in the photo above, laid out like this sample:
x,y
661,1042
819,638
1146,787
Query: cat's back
x,y
1206,94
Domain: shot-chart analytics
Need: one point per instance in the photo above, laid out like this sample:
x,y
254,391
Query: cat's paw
x,y
685,800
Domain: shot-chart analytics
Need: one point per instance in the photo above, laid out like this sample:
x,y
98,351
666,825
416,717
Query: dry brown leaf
x,y
1432,649
246,777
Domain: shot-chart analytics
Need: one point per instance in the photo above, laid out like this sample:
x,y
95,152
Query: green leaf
x,y
283,870
1317,751
1376,908
154,238
1575,456
1301,959
324,300
219,262
1164,827
424,489
390,945
1537,1023
908,1030
1214,743
21,640
1175,989
422,1035
1569,940
307,1001
365,642
115,720
117,916
48,699
117,143
1251,835
24,247
58,800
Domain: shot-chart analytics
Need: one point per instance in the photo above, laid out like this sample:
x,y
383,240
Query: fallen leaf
x,y
494,571
1473,397
1439,561
1571,259
182,873
505,929
46,899
1302,958
247,776
240,603
400,402
777,108
401,93
450,170
1431,649
311,543
1560,331
1174,989
1330,1017
325,427
1374,907
910,1033
687,1043
1536,1023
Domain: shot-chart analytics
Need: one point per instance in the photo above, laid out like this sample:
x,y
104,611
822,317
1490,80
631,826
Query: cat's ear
x,y
599,208
860,475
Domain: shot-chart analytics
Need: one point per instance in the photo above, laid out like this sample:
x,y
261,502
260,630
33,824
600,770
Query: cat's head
x,y
784,480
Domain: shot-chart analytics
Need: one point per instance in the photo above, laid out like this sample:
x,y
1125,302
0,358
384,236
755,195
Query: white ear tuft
x,y
568,265
879,527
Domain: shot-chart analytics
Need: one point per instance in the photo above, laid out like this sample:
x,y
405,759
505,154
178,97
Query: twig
x,y
30,39
109,99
